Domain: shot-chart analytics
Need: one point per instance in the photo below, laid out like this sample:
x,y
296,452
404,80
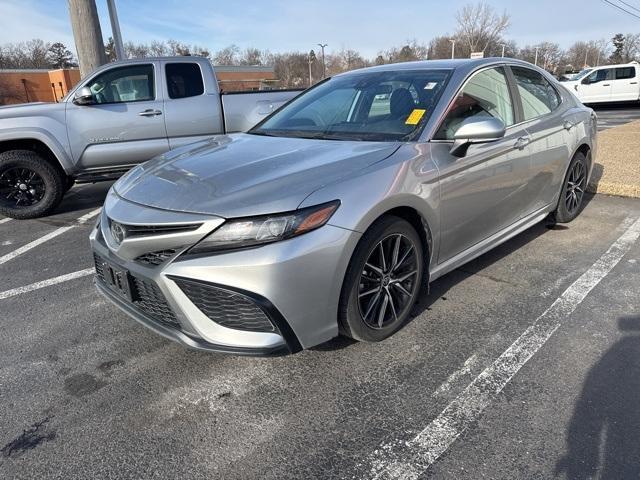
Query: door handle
x,y
633,83
522,142
606,84
568,125
150,112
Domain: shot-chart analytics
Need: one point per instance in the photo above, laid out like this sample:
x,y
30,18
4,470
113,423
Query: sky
x,y
368,26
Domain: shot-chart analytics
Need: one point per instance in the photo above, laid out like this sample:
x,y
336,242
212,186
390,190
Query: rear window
x,y
184,80
625,72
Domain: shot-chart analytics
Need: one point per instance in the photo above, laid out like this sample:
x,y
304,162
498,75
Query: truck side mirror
x,y
83,96
586,81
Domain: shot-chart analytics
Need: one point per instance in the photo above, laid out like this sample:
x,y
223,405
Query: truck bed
x,y
242,110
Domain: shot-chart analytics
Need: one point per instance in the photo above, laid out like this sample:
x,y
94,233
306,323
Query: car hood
x,y
243,175
28,109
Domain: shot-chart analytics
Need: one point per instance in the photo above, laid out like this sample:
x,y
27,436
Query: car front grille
x,y
147,297
156,258
226,308
151,230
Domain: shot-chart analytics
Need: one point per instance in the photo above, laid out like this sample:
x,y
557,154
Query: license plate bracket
x,y
118,280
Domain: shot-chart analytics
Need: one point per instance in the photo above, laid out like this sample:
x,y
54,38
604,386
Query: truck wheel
x,y
30,187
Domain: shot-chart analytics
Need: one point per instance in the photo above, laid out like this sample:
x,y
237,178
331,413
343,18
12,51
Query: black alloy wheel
x,y
20,187
387,281
382,282
574,187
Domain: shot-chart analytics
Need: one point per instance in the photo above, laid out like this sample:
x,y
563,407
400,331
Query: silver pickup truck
x,y
118,116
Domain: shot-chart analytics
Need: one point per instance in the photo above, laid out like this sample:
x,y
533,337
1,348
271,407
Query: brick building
x,y
32,85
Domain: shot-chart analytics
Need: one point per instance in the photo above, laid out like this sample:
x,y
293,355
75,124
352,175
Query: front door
x,y
482,192
125,125
596,87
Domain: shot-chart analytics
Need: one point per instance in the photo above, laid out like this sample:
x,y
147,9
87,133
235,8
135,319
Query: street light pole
x,y
504,45
453,48
536,60
324,66
586,54
115,29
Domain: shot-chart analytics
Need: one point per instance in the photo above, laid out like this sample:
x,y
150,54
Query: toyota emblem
x,y
118,232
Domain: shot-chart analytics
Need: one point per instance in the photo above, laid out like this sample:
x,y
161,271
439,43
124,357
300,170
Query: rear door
x,y
597,87
192,112
624,86
125,125
549,125
484,191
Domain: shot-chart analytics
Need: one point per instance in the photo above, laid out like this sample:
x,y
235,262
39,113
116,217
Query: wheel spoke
x,y
396,251
374,268
369,292
404,257
383,311
372,304
383,262
405,276
401,288
393,307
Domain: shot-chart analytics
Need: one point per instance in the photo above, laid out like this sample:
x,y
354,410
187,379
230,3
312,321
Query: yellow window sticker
x,y
415,116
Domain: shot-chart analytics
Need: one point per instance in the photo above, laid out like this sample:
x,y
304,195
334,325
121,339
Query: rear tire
x,y
382,282
30,187
574,186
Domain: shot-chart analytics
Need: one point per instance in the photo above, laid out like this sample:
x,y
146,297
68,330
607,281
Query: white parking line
x,y
25,248
409,460
46,283
4,220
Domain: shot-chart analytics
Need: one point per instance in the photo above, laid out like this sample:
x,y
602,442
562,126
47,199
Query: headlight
x,y
248,232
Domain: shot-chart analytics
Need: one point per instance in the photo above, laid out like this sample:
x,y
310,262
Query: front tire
x,y
30,187
574,186
382,281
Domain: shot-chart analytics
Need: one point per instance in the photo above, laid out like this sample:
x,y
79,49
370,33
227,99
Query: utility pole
x,y
324,66
87,35
536,60
115,30
312,58
586,54
453,48
504,45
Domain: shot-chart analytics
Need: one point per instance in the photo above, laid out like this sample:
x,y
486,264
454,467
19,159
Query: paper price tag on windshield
x,y
415,116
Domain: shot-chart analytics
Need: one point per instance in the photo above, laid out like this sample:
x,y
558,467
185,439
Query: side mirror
x,y
586,81
83,96
476,130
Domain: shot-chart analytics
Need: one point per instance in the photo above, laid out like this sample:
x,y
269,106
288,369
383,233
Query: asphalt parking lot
x,y
524,363
613,115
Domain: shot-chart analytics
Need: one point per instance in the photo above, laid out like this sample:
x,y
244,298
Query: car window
x,y
625,72
184,80
486,94
124,84
536,93
601,75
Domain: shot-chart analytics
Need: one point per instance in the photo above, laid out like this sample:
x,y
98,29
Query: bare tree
x,y
479,26
631,48
227,56
158,49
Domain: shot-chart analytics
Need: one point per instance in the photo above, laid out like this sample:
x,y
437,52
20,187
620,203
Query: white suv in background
x,y
610,83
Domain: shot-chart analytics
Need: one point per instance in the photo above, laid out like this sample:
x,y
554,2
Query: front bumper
x,y
295,283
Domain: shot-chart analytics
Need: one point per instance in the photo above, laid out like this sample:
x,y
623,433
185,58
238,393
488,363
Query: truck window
x,y
625,72
132,83
537,94
601,75
184,80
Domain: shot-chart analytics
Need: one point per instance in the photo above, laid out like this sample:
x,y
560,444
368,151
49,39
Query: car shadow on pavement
x,y
603,438
82,197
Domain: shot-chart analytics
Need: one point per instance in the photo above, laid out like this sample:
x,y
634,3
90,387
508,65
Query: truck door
x,y
124,125
596,87
624,86
191,111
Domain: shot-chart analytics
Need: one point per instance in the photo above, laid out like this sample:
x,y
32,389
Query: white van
x,y
610,83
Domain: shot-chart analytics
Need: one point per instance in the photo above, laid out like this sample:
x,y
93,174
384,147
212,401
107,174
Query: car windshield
x,y
377,106
582,74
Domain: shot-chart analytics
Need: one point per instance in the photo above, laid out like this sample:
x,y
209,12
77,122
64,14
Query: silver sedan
x,y
331,215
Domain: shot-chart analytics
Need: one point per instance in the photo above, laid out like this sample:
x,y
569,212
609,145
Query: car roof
x,y
465,64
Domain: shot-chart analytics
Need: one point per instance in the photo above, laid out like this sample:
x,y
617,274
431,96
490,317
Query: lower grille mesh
x,y
156,258
226,308
147,297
